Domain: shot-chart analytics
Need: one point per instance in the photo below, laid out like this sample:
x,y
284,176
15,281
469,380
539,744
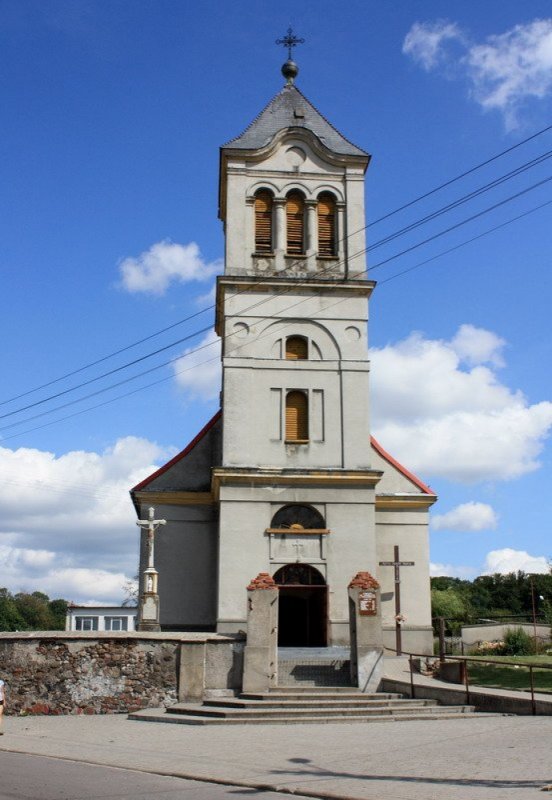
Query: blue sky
x,y
112,116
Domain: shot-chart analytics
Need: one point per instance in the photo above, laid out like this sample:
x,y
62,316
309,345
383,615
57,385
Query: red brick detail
x,y
363,580
262,581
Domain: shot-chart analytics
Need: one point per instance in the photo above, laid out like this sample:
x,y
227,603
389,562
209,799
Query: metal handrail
x,y
478,660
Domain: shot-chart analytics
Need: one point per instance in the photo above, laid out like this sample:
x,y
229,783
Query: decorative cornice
x,y
175,498
363,580
399,502
228,476
298,531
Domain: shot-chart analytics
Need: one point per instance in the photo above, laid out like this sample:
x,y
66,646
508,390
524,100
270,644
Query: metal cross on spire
x,y
290,40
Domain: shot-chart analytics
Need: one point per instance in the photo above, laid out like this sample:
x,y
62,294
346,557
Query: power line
x,y
160,366
374,222
215,358
88,382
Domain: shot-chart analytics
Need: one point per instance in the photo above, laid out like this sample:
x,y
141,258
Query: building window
x,y
327,239
297,348
263,222
297,417
86,623
116,623
295,221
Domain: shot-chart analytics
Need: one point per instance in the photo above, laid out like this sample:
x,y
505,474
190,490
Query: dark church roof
x,y
291,109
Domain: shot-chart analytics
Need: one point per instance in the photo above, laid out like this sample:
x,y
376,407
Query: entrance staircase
x,y
314,687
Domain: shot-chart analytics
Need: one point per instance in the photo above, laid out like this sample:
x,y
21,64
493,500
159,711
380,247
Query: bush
x,y
488,649
518,642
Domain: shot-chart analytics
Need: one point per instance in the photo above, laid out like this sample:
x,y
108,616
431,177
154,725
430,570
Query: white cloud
x,y
451,571
508,560
466,517
478,346
503,73
68,526
198,374
448,415
424,41
512,67
164,263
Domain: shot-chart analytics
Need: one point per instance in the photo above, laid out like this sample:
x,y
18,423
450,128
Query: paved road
x,y
24,777
470,758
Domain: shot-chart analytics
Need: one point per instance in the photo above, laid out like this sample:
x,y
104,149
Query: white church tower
x,y
296,486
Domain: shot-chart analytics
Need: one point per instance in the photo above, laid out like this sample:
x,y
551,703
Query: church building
x,y
286,478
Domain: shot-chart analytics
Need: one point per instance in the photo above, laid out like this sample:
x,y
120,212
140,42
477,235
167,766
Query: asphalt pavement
x,y
470,758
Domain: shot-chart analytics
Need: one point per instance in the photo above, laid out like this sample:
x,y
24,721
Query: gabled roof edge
x,y
389,458
189,447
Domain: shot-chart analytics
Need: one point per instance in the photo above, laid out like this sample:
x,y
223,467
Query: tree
x,y
10,618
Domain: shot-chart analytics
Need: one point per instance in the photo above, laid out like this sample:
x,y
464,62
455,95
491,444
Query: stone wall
x,y
95,673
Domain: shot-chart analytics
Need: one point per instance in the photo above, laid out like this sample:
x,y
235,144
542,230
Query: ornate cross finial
x,y
290,40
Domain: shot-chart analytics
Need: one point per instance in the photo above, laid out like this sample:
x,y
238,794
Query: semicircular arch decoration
x,y
299,575
298,517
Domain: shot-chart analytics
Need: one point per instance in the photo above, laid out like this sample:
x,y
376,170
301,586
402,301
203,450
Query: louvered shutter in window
x,y
296,348
326,226
295,215
263,223
297,417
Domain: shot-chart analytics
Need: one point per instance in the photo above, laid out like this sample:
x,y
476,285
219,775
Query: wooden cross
x,y
397,564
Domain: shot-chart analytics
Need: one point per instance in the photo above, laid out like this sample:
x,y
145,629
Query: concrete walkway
x,y
471,758
397,668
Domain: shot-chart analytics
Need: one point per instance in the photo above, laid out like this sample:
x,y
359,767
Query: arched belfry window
x,y
297,348
295,222
327,238
297,417
263,222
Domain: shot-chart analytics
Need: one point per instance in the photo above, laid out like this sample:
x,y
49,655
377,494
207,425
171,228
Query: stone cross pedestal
x,y
366,632
148,611
260,662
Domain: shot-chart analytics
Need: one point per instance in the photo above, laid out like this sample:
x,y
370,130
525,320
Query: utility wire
x,y
210,344
208,308
493,184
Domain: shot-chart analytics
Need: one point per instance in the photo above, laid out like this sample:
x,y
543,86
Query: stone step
x,y
315,703
302,693
247,714
445,712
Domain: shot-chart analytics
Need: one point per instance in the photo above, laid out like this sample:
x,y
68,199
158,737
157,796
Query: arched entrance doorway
x,y
302,606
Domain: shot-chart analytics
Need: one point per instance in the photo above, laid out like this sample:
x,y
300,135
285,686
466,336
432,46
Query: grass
x,y
508,674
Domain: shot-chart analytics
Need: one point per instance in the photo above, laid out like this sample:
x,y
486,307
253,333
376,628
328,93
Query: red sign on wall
x,y
367,604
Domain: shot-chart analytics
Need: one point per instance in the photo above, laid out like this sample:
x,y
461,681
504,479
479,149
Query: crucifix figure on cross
x,y
399,617
151,524
149,600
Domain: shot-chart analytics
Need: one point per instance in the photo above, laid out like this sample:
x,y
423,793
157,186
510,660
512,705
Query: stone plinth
x,y
260,667
366,632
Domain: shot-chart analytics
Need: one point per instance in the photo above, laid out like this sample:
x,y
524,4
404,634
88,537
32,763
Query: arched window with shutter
x,y
297,417
263,222
297,348
327,239
295,221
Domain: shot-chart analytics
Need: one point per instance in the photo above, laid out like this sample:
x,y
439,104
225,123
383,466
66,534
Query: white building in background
x,y
101,618
286,478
